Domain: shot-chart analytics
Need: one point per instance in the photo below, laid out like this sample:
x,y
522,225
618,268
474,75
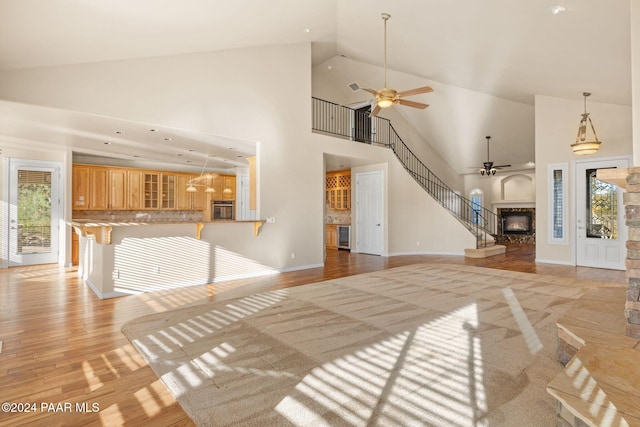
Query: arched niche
x,y
517,187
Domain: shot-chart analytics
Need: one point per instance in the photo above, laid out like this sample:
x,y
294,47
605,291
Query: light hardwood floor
x,y
62,345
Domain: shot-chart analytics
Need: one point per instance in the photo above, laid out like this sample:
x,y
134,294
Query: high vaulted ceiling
x,y
510,49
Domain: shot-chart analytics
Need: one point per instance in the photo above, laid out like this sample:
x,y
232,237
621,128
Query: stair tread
x,y
485,252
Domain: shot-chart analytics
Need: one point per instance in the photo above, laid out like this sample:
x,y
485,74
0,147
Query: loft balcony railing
x,y
344,122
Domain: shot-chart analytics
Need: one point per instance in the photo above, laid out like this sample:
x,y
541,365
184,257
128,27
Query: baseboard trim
x,y
301,267
426,253
243,276
550,261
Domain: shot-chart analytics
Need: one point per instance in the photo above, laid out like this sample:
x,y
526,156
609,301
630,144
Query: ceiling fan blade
x,y
375,111
502,166
416,91
371,91
412,104
352,104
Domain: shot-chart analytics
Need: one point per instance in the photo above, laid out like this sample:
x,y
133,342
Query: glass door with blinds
x,y
34,212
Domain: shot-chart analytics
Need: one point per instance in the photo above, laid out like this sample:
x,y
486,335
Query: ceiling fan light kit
x,y
487,170
386,97
586,144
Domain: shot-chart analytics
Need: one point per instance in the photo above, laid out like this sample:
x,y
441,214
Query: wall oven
x,y
344,237
222,211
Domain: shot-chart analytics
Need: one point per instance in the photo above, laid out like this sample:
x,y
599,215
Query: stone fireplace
x,y
516,225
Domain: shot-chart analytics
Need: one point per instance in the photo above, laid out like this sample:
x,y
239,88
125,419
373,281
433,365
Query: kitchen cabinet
x,y
151,194
75,248
331,236
116,188
99,188
168,193
225,186
134,189
99,184
117,185
228,187
338,190
189,200
80,187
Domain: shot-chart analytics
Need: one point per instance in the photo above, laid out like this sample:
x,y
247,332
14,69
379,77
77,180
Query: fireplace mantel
x,y
514,204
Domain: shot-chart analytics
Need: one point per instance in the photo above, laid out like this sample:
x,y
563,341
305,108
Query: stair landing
x,y
600,385
485,252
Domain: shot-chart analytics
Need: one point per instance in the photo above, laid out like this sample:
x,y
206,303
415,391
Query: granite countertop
x,y
100,222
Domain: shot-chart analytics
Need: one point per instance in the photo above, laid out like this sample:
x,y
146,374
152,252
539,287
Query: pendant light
x,y
207,178
586,144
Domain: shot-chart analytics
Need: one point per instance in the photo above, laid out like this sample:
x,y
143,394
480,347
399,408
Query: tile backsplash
x,y
334,216
140,216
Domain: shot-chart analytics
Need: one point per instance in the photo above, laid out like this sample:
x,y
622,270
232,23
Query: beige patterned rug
x,y
433,345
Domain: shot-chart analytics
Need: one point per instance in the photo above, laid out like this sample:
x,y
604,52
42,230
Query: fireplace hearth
x,y
516,225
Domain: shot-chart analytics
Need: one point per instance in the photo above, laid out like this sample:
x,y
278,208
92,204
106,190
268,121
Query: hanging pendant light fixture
x,y
586,144
198,181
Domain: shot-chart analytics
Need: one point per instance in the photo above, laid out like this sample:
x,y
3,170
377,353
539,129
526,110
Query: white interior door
x,y
369,213
601,233
34,212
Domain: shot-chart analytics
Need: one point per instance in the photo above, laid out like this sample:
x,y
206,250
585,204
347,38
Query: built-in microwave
x,y
222,211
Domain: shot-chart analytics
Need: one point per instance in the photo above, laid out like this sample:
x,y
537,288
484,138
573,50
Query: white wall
x,y
414,222
556,126
238,93
635,77
456,119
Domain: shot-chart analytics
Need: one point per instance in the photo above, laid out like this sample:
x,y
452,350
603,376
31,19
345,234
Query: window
x,y
557,203
602,208
476,206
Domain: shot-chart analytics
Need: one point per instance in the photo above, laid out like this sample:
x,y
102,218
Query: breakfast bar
x,y
122,258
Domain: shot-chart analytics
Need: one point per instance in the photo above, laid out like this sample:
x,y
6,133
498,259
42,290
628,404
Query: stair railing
x,y
345,122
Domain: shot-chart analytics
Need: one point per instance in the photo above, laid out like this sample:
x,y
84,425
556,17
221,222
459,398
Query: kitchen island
x,y
122,258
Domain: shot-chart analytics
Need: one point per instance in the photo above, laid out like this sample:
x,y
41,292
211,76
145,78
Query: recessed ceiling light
x,y
167,139
557,9
180,155
239,155
307,30
189,161
106,143
191,150
153,130
135,155
120,132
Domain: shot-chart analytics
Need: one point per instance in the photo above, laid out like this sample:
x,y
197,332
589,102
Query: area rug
x,y
428,345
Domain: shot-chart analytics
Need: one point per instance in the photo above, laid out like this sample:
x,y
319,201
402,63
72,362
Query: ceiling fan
x,y
487,167
387,97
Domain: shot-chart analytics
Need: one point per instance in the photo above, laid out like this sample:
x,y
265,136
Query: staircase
x,y
340,121
485,248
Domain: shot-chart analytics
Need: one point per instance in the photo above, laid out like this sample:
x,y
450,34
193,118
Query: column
x,y
632,215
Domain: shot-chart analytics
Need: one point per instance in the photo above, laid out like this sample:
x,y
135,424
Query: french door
x,y
34,212
601,233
